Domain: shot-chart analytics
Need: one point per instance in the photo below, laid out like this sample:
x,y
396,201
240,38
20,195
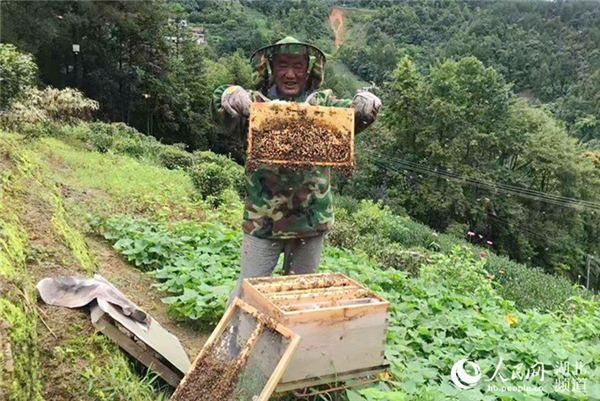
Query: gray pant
x,y
260,256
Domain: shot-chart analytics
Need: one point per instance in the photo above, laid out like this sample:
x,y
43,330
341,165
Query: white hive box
x,y
341,324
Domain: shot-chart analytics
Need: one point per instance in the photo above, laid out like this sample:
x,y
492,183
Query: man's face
x,y
290,72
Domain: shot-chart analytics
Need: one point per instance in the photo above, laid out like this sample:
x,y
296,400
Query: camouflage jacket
x,y
282,203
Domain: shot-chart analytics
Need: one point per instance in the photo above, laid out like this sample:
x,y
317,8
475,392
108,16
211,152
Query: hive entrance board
x,y
342,325
243,359
298,135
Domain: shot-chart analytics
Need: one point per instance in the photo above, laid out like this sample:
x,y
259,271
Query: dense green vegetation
x,y
456,148
445,304
547,50
458,151
484,164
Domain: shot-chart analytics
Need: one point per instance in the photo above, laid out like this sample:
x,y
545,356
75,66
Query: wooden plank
x,y
322,295
308,306
283,330
310,292
334,313
253,297
152,335
285,387
257,281
337,347
106,326
301,282
303,163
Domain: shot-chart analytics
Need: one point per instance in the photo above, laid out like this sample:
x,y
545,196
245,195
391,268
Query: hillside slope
x,y
54,352
445,306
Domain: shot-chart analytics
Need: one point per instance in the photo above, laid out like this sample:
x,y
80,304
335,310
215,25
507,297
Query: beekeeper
x,y
286,210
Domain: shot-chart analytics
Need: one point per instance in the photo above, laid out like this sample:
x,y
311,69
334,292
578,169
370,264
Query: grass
x,y
72,237
20,320
89,367
13,239
23,381
120,183
106,374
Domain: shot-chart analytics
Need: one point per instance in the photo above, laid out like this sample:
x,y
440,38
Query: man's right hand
x,y
236,101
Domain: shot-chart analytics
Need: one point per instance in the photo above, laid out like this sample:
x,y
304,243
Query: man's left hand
x,y
367,105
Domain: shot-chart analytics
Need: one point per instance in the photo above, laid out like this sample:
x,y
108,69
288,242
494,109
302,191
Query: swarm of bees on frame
x,y
300,142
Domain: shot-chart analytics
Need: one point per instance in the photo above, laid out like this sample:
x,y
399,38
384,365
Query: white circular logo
x,y
461,378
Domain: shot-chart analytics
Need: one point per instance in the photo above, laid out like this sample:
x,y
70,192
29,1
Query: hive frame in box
x,y
337,116
218,331
339,341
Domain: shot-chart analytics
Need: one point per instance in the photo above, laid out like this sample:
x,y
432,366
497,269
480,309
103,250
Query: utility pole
x,y
588,267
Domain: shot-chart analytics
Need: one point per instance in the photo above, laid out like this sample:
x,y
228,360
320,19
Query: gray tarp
x,y
75,292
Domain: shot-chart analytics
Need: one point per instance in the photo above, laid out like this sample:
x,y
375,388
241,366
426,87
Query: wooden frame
x,y
218,331
343,118
146,355
333,378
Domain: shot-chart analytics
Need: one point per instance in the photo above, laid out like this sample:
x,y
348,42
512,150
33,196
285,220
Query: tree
x,y
17,71
459,149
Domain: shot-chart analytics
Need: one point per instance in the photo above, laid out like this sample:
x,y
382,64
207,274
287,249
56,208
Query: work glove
x,y
367,106
236,101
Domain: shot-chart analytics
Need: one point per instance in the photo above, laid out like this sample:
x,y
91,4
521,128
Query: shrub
x,y
529,287
210,179
372,218
137,145
18,72
173,157
397,257
343,233
232,172
347,203
100,140
37,112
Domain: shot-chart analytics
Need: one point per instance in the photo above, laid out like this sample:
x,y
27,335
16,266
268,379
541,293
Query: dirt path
x,y
336,20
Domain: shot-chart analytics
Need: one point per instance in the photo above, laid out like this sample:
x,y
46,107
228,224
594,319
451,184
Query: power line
x,y
402,167
398,165
495,185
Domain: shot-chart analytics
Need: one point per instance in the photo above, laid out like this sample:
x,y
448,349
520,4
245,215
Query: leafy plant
x,y
196,264
172,157
449,312
18,72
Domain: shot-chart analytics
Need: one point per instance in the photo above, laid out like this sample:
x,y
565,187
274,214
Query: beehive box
x,y
300,135
341,324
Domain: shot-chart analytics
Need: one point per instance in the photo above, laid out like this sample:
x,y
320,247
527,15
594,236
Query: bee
x,y
301,141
